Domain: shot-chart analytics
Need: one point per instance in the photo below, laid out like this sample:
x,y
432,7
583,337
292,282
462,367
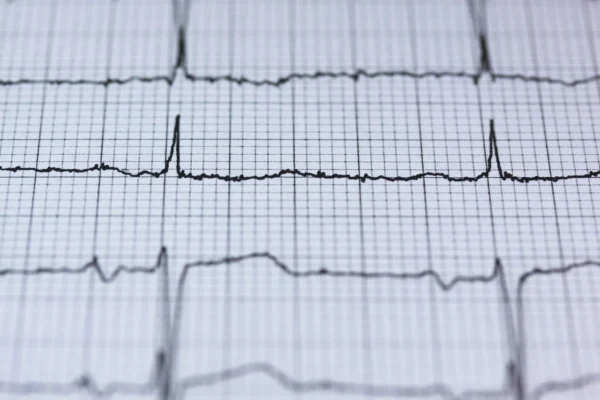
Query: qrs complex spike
x,y
174,155
162,381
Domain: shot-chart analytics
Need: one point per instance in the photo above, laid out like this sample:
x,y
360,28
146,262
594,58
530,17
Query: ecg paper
x,y
300,199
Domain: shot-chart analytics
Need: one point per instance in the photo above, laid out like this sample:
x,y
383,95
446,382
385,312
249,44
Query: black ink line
x,y
492,162
181,16
512,383
299,76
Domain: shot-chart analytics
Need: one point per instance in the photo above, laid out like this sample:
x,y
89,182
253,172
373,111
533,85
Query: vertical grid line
x,y
17,342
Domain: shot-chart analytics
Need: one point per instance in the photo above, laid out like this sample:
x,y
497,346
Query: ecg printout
x,y
300,199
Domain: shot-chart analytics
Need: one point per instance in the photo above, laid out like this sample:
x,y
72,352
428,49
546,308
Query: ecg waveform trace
x,y
493,160
161,378
180,22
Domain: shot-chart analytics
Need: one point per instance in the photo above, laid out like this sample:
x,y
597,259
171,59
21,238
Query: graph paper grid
x,y
299,199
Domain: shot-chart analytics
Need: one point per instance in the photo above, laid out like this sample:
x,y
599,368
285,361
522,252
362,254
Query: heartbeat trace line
x,y
493,159
161,378
299,76
180,22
